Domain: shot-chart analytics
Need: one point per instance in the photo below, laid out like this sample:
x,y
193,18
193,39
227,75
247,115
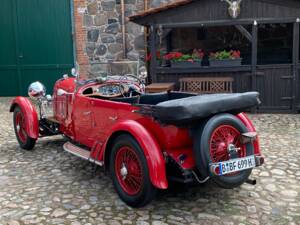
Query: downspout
x,y
123,29
146,33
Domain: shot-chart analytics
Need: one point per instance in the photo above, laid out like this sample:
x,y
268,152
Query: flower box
x,y
225,62
180,60
186,64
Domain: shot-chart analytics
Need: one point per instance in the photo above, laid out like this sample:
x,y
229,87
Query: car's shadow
x,y
177,196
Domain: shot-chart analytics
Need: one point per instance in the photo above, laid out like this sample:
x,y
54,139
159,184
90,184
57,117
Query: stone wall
x,y
99,32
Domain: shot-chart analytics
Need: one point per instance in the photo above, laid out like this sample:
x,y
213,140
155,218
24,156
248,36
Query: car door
x,y
105,115
83,120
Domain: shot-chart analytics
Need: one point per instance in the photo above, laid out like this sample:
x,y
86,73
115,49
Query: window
x,y
212,39
275,44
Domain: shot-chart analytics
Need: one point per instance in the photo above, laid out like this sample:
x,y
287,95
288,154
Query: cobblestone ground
x,y
49,186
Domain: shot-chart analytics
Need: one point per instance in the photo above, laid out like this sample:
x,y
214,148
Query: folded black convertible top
x,y
185,110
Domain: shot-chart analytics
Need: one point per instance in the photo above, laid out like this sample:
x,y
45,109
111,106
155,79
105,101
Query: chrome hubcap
x,y
232,149
124,171
18,127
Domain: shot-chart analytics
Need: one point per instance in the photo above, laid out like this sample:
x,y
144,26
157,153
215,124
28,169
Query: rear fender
x,y
30,114
247,122
152,151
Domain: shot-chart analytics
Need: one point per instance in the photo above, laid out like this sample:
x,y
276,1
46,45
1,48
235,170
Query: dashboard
x,y
108,90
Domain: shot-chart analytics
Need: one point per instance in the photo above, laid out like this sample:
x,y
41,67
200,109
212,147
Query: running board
x,y
80,152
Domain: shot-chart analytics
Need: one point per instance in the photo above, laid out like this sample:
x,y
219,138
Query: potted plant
x,y
180,60
225,58
159,57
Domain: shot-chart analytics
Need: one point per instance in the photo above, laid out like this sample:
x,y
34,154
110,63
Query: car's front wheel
x,y
24,140
129,172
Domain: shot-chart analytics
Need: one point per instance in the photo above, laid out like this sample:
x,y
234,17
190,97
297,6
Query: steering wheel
x,y
135,78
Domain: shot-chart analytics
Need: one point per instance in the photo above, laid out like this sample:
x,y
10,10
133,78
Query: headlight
x,y
36,90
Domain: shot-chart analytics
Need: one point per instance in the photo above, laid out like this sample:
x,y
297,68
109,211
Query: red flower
x,y
149,56
177,55
173,55
235,54
198,54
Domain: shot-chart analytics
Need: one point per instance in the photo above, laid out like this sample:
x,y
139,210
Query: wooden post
x,y
254,56
254,60
169,41
153,62
295,86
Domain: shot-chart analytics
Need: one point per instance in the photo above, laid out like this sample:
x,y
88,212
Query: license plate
x,y
235,165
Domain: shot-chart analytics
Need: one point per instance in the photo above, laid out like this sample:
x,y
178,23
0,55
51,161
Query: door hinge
x,y
287,77
288,98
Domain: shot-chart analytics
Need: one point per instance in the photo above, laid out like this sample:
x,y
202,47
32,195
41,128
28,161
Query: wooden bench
x,y
206,85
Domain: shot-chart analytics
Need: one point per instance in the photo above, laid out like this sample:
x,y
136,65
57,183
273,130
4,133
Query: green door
x,y
36,45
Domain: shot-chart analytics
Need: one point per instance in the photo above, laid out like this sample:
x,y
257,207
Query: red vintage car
x,y
144,140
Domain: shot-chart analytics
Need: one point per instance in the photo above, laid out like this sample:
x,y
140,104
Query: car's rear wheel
x,y
129,172
24,140
212,142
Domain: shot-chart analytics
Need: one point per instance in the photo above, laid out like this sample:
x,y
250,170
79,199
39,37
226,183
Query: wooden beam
x,y
296,79
228,22
244,32
153,62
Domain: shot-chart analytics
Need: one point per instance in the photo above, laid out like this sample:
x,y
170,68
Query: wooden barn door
x,y
36,43
9,74
275,84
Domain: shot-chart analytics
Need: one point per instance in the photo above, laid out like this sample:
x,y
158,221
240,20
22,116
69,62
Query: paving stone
x,y
49,186
271,187
13,222
58,213
289,193
278,172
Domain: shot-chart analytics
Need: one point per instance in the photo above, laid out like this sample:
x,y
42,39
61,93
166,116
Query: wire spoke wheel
x,y
130,173
24,140
220,142
129,170
20,126
221,138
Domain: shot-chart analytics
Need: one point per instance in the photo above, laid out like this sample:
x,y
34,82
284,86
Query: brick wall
x,y
80,37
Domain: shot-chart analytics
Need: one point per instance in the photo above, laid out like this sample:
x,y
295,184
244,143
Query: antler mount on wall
x,y
234,8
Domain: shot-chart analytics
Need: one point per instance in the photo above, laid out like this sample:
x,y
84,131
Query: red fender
x,y
31,117
247,122
152,151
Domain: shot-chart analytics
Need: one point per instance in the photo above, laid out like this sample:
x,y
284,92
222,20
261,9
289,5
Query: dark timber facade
x,y
270,66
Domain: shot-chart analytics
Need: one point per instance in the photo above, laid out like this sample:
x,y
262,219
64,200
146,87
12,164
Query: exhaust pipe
x,y
251,182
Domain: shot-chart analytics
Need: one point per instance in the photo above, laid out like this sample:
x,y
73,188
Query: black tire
x,y
27,143
147,191
202,135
